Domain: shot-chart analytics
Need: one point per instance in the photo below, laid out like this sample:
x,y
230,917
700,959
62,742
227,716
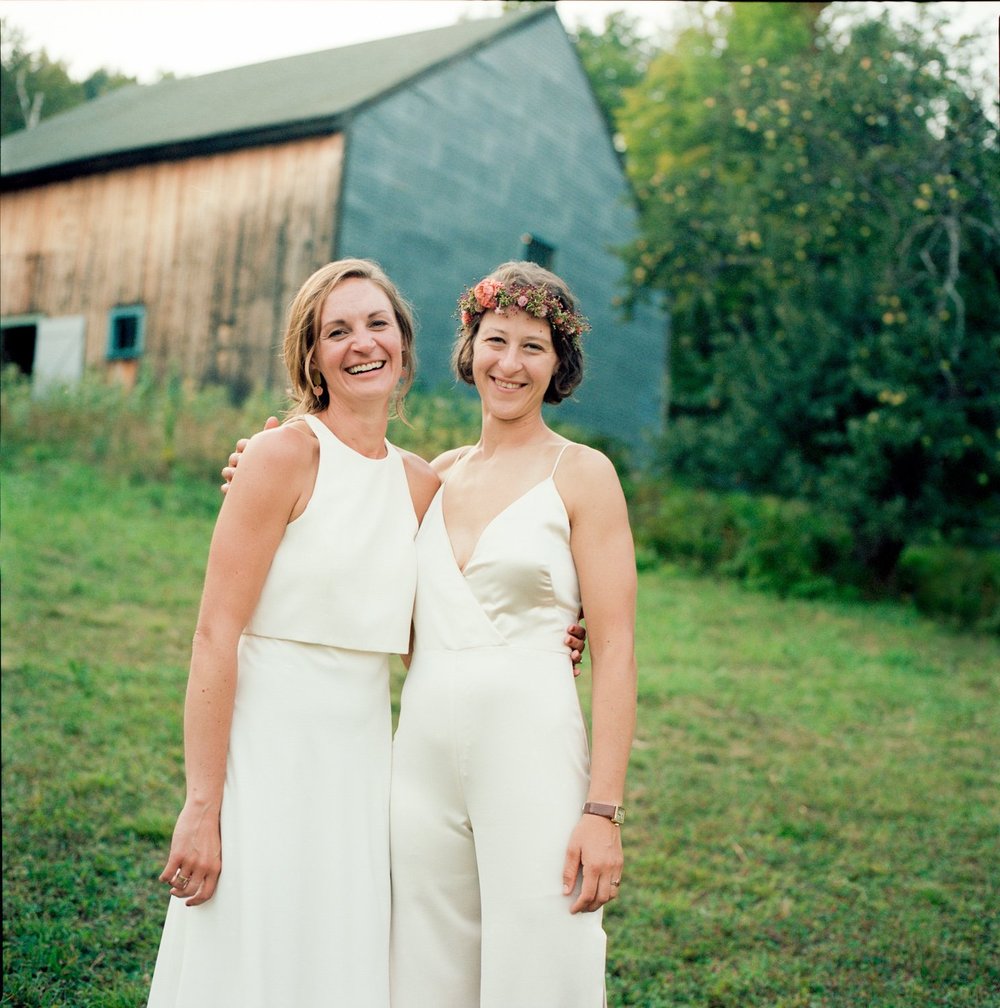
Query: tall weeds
x,y
154,431
164,430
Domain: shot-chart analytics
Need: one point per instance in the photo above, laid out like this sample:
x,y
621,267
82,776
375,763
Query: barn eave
x,y
219,143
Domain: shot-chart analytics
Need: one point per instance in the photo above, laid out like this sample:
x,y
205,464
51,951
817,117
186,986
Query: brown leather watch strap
x,y
613,812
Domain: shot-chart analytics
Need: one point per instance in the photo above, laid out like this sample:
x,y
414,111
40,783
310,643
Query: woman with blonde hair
x,y
279,862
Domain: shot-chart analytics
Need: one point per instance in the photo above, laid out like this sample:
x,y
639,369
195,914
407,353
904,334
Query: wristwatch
x,y
613,812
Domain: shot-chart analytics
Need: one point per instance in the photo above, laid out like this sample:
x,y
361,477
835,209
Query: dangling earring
x,y
317,388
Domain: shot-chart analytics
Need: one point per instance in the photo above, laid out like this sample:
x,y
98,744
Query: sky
x,y
144,38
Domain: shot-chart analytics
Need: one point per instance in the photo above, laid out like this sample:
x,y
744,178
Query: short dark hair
x,y
569,370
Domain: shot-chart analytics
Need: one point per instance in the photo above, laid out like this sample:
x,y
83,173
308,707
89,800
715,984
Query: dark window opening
x,y
538,251
17,347
126,328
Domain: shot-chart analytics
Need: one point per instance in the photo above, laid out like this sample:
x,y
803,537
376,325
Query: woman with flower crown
x,y
506,838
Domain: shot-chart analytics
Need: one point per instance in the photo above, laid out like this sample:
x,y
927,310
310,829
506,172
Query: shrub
x,y
789,547
960,583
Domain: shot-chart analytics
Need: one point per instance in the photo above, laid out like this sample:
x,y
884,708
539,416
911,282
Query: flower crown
x,y
538,301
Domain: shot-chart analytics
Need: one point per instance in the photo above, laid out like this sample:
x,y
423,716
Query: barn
x,y
167,227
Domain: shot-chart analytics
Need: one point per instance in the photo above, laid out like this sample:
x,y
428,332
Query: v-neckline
x,y
462,568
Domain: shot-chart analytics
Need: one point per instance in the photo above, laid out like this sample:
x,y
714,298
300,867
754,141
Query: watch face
x,y
619,816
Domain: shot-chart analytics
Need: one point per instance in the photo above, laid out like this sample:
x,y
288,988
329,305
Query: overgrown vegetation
x,y
173,432
799,549
820,204
812,814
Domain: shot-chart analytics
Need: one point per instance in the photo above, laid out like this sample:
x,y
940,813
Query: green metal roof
x,y
295,96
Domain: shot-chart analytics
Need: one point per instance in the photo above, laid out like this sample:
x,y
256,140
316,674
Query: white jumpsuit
x,y
490,772
300,918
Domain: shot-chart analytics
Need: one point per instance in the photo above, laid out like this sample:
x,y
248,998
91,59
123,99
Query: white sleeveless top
x,y
345,572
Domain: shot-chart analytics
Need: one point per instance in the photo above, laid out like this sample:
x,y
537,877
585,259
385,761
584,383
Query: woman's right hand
x,y
195,863
234,460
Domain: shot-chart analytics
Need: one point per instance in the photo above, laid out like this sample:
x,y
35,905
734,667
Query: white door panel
x,y
58,353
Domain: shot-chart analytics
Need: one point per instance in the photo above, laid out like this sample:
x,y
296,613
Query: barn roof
x,y
292,97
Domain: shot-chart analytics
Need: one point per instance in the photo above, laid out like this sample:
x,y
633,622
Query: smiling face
x,y
513,363
359,349
524,287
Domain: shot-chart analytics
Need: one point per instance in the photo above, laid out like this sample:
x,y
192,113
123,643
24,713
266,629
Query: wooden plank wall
x,y
215,247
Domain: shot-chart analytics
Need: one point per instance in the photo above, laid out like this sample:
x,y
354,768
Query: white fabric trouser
x,y
490,771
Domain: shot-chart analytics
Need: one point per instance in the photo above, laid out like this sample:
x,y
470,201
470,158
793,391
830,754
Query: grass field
x,y
813,803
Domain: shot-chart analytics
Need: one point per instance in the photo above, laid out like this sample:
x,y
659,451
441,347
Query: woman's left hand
x,y
576,641
595,850
234,460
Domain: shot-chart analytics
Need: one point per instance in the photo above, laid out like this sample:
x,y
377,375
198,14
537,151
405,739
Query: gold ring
x,y
616,882
180,881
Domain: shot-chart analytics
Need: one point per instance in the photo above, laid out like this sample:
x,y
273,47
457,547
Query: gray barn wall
x,y
443,177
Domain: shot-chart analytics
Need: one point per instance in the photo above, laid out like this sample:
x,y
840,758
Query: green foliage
x,y
785,546
34,87
156,430
436,422
802,550
824,217
172,433
101,81
960,583
614,58
812,813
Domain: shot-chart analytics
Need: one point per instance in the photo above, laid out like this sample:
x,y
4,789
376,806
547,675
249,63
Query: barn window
x,y
126,332
538,251
17,344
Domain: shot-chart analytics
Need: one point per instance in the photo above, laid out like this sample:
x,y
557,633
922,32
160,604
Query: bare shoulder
x,y
447,459
580,462
587,482
275,476
289,448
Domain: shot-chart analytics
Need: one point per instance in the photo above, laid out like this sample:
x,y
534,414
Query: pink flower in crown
x,y
466,318
486,293
522,301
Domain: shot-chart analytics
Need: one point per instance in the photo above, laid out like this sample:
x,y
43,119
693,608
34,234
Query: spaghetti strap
x,y
555,464
468,448
465,451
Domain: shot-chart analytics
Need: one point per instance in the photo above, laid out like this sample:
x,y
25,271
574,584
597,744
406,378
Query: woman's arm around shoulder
x,y
422,479
447,459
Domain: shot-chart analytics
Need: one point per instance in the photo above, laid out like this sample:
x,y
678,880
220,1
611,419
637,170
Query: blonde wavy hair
x,y
302,332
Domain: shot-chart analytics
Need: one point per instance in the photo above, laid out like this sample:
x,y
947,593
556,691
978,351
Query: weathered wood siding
x,y
443,177
214,247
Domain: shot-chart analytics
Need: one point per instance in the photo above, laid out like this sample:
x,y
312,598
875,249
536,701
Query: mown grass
x,y
813,814
814,801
